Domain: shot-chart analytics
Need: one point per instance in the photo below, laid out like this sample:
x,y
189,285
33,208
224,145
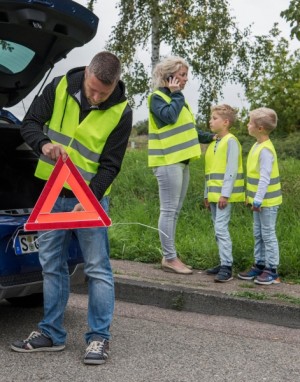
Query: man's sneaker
x,y
213,271
267,278
35,342
251,274
224,274
97,352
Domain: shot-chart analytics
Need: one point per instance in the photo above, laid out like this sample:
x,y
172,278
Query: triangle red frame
x,y
41,217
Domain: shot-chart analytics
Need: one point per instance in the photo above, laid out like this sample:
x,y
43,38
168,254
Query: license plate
x,y
26,243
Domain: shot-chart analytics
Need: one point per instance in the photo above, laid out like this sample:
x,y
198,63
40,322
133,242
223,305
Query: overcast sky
x,y
261,13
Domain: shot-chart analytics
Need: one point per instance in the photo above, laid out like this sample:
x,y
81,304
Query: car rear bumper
x,y
18,287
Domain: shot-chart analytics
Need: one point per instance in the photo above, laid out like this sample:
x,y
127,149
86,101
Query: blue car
x,y
34,35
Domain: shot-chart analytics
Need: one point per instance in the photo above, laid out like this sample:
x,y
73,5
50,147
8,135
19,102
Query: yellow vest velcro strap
x,y
172,132
268,195
255,181
173,149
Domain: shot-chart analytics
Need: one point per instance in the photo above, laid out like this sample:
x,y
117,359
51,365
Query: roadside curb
x,y
206,302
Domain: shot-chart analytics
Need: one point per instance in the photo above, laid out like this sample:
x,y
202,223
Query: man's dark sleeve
x,y
38,114
112,155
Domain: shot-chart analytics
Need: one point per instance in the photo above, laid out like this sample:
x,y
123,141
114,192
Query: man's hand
x,y
77,208
54,151
223,201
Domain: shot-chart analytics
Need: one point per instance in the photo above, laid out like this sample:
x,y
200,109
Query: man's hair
x,y
225,112
106,67
264,117
165,69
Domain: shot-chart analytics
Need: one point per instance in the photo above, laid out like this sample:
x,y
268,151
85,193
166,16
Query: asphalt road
x,y
153,344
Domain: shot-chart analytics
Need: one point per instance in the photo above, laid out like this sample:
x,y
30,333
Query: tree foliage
x,y
201,31
292,14
275,81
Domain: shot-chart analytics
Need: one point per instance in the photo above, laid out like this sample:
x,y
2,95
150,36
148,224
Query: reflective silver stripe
x,y
217,190
59,137
268,195
170,133
47,160
173,149
255,180
85,152
65,140
85,174
221,176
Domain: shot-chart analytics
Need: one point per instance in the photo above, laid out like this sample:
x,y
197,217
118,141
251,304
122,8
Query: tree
x,y
292,14
90,4
275,81
201,31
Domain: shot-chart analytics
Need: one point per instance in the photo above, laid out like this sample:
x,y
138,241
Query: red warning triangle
x,y
42,218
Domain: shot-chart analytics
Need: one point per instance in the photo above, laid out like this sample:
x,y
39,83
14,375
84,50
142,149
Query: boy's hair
x,y
226,112
165,69
264,117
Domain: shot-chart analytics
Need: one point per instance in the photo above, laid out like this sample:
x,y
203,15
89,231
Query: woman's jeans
x,y
53,254
221,219
266,251
173,181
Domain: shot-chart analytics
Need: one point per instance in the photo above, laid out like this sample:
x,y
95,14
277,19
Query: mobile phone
x,y
170,78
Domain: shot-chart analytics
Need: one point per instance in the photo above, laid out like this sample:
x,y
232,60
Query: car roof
x,y
34,35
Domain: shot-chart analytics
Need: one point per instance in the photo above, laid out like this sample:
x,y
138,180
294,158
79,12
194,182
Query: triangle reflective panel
x,y
42,218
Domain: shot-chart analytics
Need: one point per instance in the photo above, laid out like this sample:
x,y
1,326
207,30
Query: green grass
x,y
135,208
264,296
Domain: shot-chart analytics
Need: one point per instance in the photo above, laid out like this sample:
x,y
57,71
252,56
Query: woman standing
x,y
173,142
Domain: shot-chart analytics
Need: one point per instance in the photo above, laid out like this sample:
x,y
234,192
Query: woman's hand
x,y
173,84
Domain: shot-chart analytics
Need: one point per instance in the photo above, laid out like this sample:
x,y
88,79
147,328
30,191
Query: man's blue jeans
x,y
266,250
53,254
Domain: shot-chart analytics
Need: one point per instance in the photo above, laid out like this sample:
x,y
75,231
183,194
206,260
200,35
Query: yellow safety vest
x,y
175,142
83,141
215,168
273,196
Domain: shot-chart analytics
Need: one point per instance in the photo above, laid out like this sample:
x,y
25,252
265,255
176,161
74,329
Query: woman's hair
x,y
165,69
225,112
264,117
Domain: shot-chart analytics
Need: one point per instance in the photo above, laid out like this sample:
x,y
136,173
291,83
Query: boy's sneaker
x,y
224,274
251,274
213,271
35,342
97,352
267,278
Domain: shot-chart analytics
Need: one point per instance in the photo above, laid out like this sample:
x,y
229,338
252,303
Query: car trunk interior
x,y
19,188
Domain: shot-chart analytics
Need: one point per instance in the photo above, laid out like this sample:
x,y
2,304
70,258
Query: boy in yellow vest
x,y
264,194
224,184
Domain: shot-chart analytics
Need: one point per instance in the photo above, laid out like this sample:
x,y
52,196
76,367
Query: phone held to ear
x,y
170,78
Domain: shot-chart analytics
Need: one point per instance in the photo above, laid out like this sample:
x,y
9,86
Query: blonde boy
x,y
264,194
224,184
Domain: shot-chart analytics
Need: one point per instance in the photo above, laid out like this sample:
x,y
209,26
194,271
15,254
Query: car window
x,y
14,57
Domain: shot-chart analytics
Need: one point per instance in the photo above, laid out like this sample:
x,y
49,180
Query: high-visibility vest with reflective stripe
x,y
175,142
83,141
273,196
215,168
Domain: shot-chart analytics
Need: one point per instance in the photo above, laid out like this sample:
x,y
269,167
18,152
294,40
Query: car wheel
x,y
31,301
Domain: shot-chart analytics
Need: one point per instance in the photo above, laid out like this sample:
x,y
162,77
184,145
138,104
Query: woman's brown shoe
x,y
168,266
